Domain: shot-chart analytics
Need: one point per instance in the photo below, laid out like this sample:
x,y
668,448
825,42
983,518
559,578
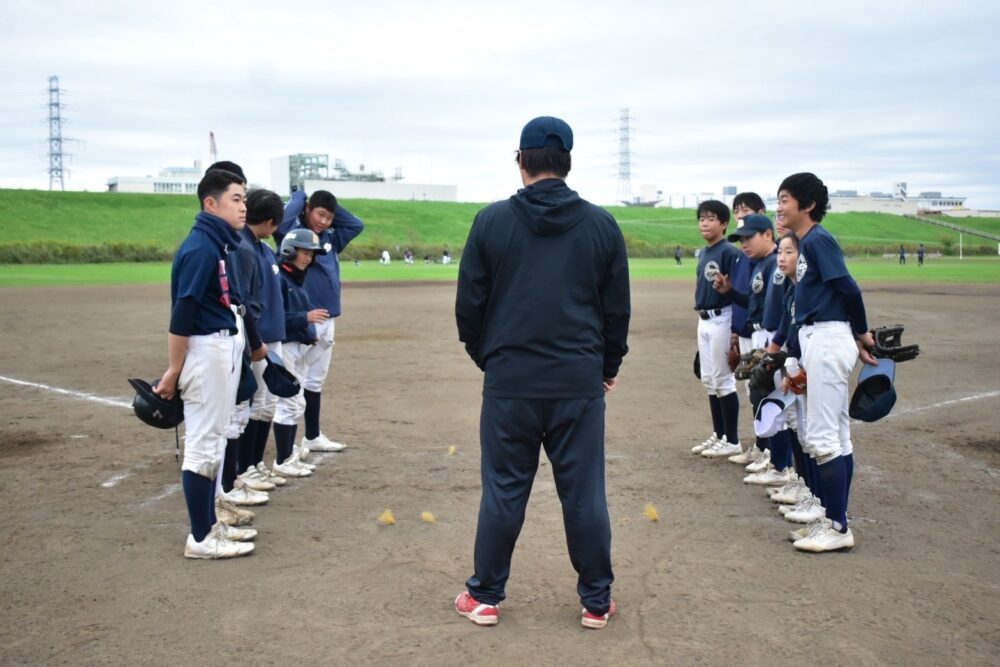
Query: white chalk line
x,y
68,392
166,493
942,404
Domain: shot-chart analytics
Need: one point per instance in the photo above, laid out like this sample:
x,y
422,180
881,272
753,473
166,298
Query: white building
x,y
898,203
172,180
312,171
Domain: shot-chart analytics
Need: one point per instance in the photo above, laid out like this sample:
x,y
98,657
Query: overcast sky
x,y
721,92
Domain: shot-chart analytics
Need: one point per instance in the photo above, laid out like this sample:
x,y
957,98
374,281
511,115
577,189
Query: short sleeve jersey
x,y
714,259
199,272
760,287
820,261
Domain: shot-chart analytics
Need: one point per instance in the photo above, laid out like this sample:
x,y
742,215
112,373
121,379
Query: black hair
x,y
715,206
323,199
807,189
792,237
546,160
751,199
229,166
264,205
215,182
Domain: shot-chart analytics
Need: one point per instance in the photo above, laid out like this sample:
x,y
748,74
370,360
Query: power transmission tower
x,y
624,159
56,153
213,152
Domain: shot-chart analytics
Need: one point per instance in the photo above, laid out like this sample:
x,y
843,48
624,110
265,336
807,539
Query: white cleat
x,y
254,480
807,514
826,538
762,460
790,493
749,456
291,467
235,534
297,455
215,545
698,449
230,514
768,476
721,449
266,473
810,529
241,494
321,443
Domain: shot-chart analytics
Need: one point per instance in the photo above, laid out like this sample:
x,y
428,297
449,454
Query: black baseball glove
x,y
762,376
748,362
888,344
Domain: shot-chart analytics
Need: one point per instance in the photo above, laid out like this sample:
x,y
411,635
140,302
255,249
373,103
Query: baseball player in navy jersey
x,y
205,357
264,213
833,333
336,228
714,327
755,233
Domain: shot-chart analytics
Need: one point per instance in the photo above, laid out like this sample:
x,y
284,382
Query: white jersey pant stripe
x,y
829,353
713,351
208,384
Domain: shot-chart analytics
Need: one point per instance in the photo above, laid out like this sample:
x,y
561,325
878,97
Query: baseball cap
x,y
750,225
547,131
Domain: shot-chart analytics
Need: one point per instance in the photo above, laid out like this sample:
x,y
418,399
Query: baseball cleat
x,y
235,534
698,449
230,514
300,459
763,458
790,493
721,449
597,621
768,476
811,529
215,546
476,611
254,480
743,458
267,474
241,494
814,510
826,538
291,468
321,443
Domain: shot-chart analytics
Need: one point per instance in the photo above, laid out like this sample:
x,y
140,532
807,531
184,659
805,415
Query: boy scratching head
x,y
320,209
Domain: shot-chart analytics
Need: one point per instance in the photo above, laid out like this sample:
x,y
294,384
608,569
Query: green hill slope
x,y
160,222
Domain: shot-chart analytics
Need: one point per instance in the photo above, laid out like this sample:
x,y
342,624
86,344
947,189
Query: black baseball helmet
x,y
875,394
279,380
299,238
153,409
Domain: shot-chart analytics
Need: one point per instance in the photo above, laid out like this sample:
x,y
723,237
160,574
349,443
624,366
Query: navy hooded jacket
x,y
543,300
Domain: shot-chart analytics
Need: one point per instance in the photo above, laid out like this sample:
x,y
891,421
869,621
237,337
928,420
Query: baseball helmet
x,y
697,365
279,380
875,394
154,410
300,238
770,417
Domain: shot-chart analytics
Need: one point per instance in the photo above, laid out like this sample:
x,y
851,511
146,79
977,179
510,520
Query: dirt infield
x,y
93,522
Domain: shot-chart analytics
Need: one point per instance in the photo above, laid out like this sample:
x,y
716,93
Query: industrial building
x,y
312,171
899,202
172,180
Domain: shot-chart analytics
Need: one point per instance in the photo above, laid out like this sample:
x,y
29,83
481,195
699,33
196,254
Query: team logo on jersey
x,y
791,311
779,278
801,268
274,267
758,283
328,247
711,270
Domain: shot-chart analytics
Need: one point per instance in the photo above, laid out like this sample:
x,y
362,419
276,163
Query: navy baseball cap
x,y
547,131
750,225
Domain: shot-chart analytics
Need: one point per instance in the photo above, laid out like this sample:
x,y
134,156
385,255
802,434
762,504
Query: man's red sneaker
x,y
476,611
596,622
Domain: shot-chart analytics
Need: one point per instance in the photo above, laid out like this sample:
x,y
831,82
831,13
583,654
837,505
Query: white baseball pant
x,y
829,353
318,358
289,410
713,352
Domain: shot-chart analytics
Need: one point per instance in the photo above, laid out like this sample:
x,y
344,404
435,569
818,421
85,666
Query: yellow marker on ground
x,y
386,518
427,517
452,450
650,512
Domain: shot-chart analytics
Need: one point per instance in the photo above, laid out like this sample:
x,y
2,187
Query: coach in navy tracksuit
x,y
543,309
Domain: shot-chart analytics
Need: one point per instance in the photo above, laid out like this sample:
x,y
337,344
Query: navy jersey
x,y
760,286
268,308
774,299
200,273
714,259
323,280
788,325
298,329
820,262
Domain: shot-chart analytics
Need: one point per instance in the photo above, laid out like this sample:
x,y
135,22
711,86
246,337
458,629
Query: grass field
x,y
88,218
945,270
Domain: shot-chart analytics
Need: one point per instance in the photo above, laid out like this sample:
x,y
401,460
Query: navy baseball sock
x,y
260,439
312,413
833,479
284,440
811,480
730,414
779,450
199,494
762,444
716,407
797,454
244,453
849,466
229,464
